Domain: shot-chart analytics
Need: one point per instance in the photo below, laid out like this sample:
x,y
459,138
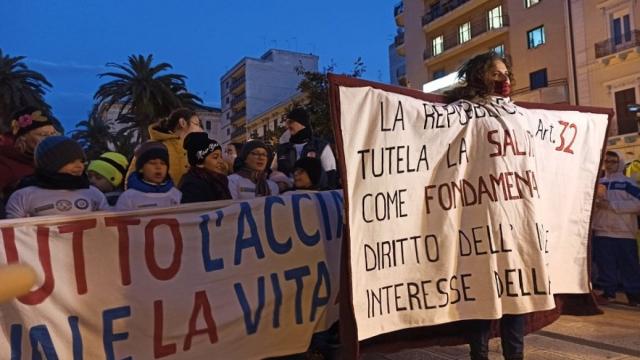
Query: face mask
x,y
502,87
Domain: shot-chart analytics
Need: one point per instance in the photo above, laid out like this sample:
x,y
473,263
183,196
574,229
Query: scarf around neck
x,y
257,177
136,182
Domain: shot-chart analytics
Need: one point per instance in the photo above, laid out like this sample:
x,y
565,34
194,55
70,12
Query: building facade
x,y
252,86
563,51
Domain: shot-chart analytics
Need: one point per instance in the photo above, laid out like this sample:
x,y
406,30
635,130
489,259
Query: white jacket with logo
x,y
242,188
620,219
36,201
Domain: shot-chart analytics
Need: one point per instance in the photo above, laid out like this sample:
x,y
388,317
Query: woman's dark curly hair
x,y
474,79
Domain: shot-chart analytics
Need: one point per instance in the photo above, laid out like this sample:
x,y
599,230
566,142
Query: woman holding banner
x,y
487,79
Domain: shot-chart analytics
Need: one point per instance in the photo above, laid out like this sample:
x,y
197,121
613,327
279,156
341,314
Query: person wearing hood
x,y
615,250
303,143
171,131
206,180
150,186
28,127
59,185
250,180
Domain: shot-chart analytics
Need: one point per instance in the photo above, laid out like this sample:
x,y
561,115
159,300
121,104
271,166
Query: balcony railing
x,y
442,9
238,99
238,114
617,44
237,82
399,40
479,25
238,131
398,9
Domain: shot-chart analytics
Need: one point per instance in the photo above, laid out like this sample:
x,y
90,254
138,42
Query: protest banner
x,y
460,211
224,280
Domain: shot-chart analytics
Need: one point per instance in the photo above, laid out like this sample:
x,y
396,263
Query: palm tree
x,y
125,143
94,135
143,93
20,87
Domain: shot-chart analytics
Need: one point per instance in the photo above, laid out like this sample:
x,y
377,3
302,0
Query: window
x,y
208,125
264,130
438,74
495,17
227,83
627,121
530,3
621,29
498,49
464,33
275,124
437,45
227,99
535,37
538,79
228,131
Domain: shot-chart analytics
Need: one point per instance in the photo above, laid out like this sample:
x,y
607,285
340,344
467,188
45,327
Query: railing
x,y
237,82
441,10
399,40
238,99
398,9
238,114
238,131
617,44
479,25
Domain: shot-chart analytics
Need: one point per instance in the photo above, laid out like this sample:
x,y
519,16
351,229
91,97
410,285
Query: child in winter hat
x,y
150,185
206,179
59,185
308,174
107,174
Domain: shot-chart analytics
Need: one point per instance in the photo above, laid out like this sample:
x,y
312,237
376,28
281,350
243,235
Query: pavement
x,y
615,335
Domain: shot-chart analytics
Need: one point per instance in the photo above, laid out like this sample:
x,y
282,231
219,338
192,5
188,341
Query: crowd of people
x,y
45,173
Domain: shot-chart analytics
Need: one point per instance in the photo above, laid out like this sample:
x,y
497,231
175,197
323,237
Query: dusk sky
x,y
70,41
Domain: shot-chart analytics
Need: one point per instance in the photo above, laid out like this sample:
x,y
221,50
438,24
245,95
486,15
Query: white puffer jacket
x,y
620,219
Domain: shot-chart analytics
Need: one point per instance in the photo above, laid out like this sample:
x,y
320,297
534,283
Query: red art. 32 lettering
x,y
567,136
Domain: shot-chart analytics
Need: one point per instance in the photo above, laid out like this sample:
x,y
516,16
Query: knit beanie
x,y
54,152
199,146
110,165
151,150
251,145
27,119
312,166
299,115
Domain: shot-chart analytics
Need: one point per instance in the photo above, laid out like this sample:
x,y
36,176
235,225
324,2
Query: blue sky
x,y
70,41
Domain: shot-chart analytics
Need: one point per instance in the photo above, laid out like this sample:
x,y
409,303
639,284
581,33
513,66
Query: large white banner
x,y
244,281
464,211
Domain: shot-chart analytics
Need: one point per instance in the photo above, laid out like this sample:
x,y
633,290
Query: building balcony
x,y
237,115
399,43
238,99
239,131
237,84
444,8
398,13
556,92
451,45
618,46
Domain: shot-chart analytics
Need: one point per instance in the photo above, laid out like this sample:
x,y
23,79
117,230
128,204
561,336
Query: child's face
x,y
301,179
100,182
214,163
75,168
155,171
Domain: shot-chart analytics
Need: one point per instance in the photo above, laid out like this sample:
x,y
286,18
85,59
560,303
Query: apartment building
x,y
254,85
440,35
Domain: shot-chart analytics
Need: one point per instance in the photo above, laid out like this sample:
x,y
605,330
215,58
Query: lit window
x,y
499,49
495,17
437,45
530,3
535,37
464,32
538,79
